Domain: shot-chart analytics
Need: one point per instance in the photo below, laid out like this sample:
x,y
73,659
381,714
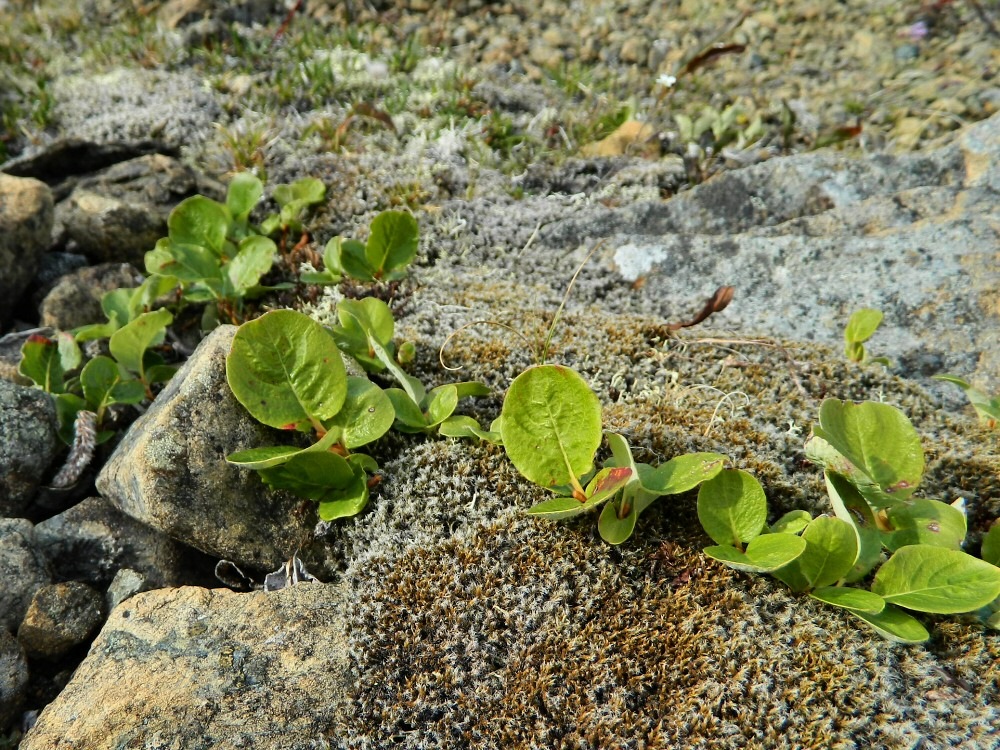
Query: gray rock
x,y
13,678
93,540
192,667
126,584
75,300
23,570
119,213
54,162
26,215
170,470
30,444
60,617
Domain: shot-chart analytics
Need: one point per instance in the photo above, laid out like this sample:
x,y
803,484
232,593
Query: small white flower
x,y
666,80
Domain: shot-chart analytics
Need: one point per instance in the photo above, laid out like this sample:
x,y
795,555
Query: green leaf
x,y
682,473
199,221
286,370
316,475
987,409
103,385
366,416
923,521
346,502
264,457
603,486
129,343
862,325
461,426
856,600
849,505
392,244
69,353
361,321
876,438
308,190
831,551
442,402
245,191
409,417
935,579
991,545
254,258
793,522
895,624
41,362
731,507
67,405
615,530
348,256
551,425
188,263
765,553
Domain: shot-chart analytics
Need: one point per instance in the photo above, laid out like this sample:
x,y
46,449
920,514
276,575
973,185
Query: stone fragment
x,y
30,444
93,540
119,213
60,617
23,569
13,678
68,157
26,216
75,300
126,584
208,668
170,470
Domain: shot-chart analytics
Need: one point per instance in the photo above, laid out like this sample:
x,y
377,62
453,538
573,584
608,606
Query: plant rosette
x,y
873,463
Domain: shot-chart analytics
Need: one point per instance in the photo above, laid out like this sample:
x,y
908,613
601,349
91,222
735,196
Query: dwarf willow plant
x,y
550,426
391,247
861,327
873,463
126,377
287,371
213,253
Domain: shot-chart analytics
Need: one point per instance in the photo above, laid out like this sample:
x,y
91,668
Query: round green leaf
x,y
856,600
895,624
862,325
244,192
732,507
392,244
316,475
409,418
199,221
935,579
102,385
831,550
286,370
923,521
682,473
769,552
878,439
551,425
188,263
253,259
615,530
41,362
366,416
793,522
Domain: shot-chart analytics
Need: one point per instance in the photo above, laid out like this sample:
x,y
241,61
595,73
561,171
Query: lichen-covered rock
x,y
75,300
29,447
26,216
22,566
93,540
13,678
60,617
170,470
200,668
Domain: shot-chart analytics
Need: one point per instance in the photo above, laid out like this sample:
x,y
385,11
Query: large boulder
x,y
200,668
170,470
